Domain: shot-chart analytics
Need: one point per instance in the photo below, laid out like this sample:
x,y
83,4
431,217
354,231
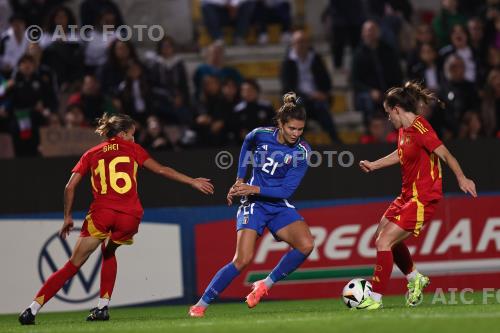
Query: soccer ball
x,y
355,291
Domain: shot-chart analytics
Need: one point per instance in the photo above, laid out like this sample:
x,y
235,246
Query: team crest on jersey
x,y
245,219
287,159
407,139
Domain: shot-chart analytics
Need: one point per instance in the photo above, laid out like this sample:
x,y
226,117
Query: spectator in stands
x,y
230,98
375,68
304,72
5,13
446,20
135,94
60,26
114,71
460,45
215,66
346,20
98,41
459,94
35,11
91,99
155,138
378,131
74,117
63,53
426,69
210,124
270,12
168,72
471,127
218,13
27,107
91,10
13,44
423,35
490,106
251,112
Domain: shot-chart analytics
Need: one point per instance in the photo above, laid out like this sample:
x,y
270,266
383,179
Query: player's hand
x,y
241,190
366,166
230,193
467,186
203,185
66,228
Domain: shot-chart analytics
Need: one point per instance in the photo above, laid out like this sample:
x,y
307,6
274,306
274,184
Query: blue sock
x,y
287,265
219,282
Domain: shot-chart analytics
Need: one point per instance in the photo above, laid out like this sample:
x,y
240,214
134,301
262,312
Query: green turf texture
x,y
283,317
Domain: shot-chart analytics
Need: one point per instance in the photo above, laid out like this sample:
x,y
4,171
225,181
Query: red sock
x,y
402,258
55,282
108,275
382,272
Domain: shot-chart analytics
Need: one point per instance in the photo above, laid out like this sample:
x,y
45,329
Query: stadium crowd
x,y
67,82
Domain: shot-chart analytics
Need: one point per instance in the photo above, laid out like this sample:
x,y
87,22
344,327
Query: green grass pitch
x,y
285,317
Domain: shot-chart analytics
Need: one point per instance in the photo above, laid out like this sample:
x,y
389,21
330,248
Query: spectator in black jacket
x,y
114,71
459,94
90,10
167,71
304,72
251,112
426,68
375,68
27,107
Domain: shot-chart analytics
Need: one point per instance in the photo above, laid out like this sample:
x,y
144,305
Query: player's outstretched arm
x,y
381,163
465,184
69,198
201,184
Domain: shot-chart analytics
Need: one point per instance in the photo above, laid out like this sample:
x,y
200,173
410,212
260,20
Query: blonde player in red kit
x,y
419,153
114,214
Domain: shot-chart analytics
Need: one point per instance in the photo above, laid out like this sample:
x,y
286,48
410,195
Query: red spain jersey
x,y
113,174
420,167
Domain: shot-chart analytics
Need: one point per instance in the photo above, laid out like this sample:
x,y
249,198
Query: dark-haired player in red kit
x,y
114,214
419,153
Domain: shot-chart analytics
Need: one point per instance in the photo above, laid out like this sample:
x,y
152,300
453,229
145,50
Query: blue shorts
x,y
259,215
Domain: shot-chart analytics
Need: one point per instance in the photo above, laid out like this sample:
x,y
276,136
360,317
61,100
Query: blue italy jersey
x,y
277,168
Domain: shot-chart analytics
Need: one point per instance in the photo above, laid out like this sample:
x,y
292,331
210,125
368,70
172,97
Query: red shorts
x,y
104,223
411,215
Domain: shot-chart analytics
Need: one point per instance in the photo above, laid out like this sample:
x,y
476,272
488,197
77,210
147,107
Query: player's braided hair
x,y
410,96
291,109
110,125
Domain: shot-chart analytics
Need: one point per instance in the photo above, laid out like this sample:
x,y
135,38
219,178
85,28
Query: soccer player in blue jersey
x,y
280,162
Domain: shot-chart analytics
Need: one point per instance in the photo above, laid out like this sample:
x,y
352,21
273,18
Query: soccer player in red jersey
x,y
419,152
114,214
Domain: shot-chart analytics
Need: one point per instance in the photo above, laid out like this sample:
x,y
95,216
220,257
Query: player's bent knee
x,y
241,262
383,243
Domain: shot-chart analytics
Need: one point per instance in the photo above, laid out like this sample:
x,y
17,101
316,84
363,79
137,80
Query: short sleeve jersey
x,y
113,168
420,166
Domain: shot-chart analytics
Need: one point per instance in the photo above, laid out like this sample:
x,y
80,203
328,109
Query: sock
x,y
402,258
35,306
382,272
102,303
55,282
108,276
288,263
219,282
412,275
268,282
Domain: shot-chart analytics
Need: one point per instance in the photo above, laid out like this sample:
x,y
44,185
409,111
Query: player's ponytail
x,y
110,125
291,109
410,96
